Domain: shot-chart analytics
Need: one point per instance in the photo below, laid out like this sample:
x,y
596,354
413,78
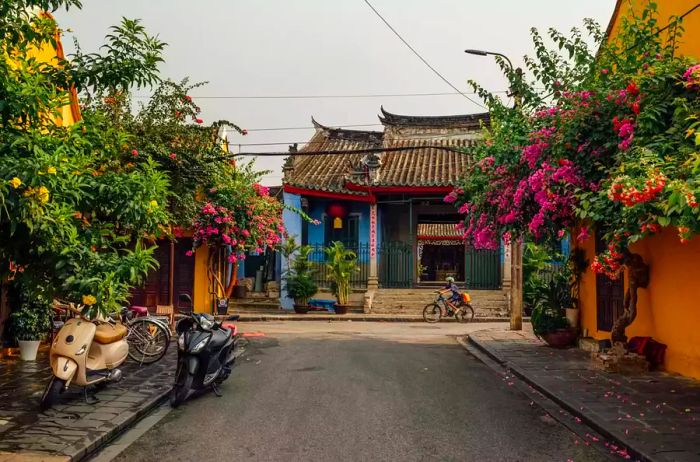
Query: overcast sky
x,y
329,47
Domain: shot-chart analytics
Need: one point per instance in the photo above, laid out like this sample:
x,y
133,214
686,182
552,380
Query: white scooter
x,y
85,352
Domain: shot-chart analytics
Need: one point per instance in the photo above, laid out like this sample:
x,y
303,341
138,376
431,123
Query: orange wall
x,y
669,309
689,44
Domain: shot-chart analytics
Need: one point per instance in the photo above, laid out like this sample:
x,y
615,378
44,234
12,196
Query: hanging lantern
x,y
337,211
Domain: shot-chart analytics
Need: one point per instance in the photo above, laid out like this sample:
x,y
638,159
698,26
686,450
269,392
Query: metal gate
x,y
482,269
396,265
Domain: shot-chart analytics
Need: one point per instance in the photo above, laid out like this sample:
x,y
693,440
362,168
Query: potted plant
x,y
342,263
576,266
298,278
30,324
548,319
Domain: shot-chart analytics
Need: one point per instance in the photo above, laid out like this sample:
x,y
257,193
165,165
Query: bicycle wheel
x,y
465,313
432,313
148,341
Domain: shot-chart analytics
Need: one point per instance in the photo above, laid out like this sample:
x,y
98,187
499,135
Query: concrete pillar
x,y
373,280
516,290
507,266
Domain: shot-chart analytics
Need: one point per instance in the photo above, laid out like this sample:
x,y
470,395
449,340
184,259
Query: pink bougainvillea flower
x,y
173,155
583,234
199,121
189,253
134,152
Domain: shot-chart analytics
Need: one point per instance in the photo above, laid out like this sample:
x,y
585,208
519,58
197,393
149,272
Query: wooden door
x,y
156,289
183,281
610,295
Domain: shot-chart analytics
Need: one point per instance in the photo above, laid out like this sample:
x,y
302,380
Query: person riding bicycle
x,y
456,297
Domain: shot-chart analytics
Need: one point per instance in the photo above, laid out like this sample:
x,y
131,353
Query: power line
x,y
345,151
332,96
421,57
310,127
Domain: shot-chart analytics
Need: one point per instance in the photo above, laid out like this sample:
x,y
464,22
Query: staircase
x,y
486,303
254,305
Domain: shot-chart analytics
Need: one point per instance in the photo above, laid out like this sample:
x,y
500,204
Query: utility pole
x,y
516,247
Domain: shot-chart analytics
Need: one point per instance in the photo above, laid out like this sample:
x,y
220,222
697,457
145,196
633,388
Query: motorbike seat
x,y
219,337
109,333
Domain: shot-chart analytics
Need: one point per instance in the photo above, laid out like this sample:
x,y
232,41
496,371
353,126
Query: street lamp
x,y
492,53
516,258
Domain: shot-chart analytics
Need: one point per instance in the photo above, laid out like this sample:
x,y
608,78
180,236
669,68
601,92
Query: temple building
x,y
385,201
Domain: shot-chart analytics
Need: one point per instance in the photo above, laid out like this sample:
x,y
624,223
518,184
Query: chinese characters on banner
x,y
372,230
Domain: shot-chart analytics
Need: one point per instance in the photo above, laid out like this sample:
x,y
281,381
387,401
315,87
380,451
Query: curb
x,y
102,440
592,422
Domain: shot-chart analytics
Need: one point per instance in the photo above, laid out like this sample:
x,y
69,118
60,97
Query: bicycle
x,y
441,307
148,337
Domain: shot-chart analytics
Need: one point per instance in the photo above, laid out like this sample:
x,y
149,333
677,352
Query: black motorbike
x,y
205,354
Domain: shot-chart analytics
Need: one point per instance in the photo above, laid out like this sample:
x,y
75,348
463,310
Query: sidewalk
x,y
654,416
247,316
73,429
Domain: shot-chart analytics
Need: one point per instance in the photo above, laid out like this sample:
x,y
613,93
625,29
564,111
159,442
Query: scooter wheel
x,y
182,387
53,389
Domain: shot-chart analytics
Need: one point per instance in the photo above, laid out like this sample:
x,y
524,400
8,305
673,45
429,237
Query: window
x,y
349,234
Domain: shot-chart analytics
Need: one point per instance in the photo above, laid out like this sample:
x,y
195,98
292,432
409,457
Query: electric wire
x,y
442,77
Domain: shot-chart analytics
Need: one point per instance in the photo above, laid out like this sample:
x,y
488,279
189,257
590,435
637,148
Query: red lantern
x,y
337,211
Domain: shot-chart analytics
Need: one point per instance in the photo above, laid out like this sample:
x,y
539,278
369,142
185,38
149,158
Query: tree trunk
x,y
638,278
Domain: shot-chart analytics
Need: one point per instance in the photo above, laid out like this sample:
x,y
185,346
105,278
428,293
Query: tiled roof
x,y
472,121
327,172
442,230
422,165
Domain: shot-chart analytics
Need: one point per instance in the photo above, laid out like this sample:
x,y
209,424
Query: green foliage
x,y
72,207
32,321
550,302
167,131
342,265
299,281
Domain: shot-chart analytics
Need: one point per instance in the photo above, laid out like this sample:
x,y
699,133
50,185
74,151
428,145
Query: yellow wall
x,y
689,44
669,309
202,299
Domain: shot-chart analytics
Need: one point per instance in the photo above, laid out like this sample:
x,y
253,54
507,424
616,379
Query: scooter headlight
x,y
201,344
81,350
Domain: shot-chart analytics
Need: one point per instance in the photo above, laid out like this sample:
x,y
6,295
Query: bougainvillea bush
x,y
602,139
236,216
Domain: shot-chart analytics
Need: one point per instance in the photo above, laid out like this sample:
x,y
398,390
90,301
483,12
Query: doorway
x,y
610,294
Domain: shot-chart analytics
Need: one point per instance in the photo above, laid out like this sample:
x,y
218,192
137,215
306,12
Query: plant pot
x,y
240,291
341,309
561,338
572,315
222,306
301,309
28,349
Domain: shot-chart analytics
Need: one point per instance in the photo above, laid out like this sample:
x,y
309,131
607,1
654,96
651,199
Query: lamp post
x,y
516,265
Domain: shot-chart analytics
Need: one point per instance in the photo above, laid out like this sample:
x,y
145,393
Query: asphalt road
x,y
359,392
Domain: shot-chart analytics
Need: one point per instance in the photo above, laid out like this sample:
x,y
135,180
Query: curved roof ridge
x,y
369,136
470,120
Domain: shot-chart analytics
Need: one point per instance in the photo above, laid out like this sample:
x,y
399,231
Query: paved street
x,y
359,391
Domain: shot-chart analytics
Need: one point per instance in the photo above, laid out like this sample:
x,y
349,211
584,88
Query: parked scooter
x,y
85,352
205,354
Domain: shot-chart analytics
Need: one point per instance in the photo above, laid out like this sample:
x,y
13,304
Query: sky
x,y
328,47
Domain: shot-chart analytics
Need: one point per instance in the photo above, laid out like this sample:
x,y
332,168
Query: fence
x,y
319,259
396,265
482,269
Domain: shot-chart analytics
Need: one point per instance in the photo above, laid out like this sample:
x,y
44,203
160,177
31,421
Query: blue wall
x,y
317,210
292,222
